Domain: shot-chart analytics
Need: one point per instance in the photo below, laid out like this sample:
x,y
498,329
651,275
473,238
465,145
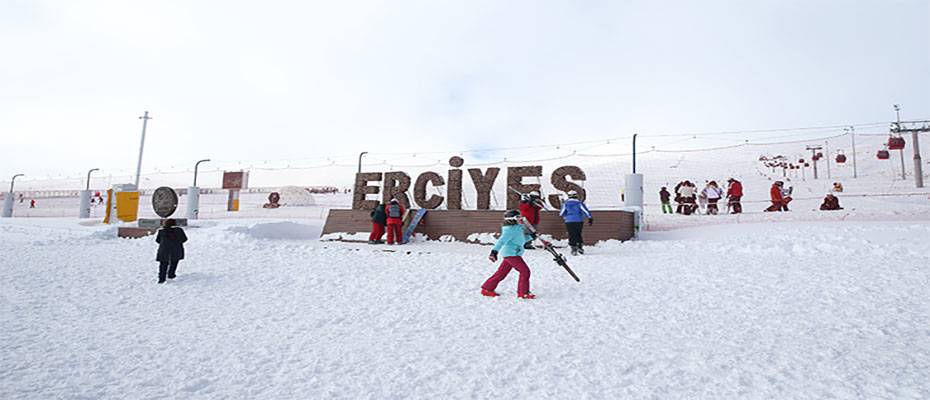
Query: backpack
x,y
393,211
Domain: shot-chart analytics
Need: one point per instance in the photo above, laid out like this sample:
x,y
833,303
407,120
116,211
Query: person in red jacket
x,y
529,209
395,218
734,194
779,200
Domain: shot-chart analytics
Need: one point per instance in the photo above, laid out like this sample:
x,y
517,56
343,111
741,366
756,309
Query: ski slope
x,y
262,310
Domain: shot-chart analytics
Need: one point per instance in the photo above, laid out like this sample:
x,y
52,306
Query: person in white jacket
x,y
687,193
712,193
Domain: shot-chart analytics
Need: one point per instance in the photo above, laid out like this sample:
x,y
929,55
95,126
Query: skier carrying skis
x,y
510,247
574,213
395,218
378,220
170,241
529,209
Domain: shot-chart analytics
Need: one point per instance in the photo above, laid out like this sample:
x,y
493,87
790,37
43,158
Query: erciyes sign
x,y
396,184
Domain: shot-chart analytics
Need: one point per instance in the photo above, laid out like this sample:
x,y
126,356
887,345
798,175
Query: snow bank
x,y
279,231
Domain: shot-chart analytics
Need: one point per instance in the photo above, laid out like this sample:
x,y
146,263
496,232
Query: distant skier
x,y
786,196
665,198
32,203
395,218
529,209
170,241
687,193
830,203
734,194
574,213
510,246
678,199
713,194
378,221
779,200
21,198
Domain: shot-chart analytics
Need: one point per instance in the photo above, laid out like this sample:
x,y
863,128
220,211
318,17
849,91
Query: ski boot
x,y
489,293
574,250
528,246
581,250
526,296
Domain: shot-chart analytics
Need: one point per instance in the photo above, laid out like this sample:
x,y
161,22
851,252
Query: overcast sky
x,y
236,80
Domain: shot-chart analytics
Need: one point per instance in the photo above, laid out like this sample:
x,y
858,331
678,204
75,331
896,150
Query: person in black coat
x,y
378,221
170,241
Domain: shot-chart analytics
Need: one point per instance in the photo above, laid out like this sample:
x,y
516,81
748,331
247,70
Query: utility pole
x,y
360,161
915,134
634,152
813,150
88,177
145,120
826,149
852,132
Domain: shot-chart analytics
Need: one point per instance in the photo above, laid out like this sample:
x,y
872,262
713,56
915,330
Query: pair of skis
x,y
557,257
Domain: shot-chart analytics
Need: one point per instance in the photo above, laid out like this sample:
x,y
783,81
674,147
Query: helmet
x,y
393,200
534,194
512,217
572,194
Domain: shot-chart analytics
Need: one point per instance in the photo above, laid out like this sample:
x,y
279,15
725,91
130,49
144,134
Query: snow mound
x,y
279,231
297,196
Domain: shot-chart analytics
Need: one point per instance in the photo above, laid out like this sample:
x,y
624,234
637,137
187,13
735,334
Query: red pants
x,y
513,262
393,231
377,231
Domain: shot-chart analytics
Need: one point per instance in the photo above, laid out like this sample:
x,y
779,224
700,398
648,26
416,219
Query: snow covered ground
x,y
262,310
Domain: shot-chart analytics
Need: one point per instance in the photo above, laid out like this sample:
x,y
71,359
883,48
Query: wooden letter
x,y
396,185
560,183
419,190
515,177
483,185
362,188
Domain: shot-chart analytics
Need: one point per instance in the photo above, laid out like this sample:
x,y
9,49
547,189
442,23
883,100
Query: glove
x,y
493,256
590,221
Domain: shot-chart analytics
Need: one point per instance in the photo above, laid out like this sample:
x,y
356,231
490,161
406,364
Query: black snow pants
x,y
167,268
574,234
735,205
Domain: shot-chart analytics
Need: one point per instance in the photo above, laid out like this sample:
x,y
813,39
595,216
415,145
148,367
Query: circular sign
x,y
164,201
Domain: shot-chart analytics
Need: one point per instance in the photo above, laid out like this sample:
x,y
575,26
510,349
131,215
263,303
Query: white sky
x,y
270,80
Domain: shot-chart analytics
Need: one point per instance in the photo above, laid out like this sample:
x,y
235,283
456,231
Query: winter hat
x,y
572,194
393,201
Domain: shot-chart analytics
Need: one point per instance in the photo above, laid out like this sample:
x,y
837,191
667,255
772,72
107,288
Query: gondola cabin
x,y
895,143
840,158
883,155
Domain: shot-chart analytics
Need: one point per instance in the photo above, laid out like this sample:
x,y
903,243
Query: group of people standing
x,y
690,200
516,239
388,218
573,212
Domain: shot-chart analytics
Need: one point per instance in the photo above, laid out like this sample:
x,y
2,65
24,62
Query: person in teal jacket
x,y
510,247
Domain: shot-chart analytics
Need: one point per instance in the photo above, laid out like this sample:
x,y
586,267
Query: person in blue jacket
x,y
574,213
510,247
